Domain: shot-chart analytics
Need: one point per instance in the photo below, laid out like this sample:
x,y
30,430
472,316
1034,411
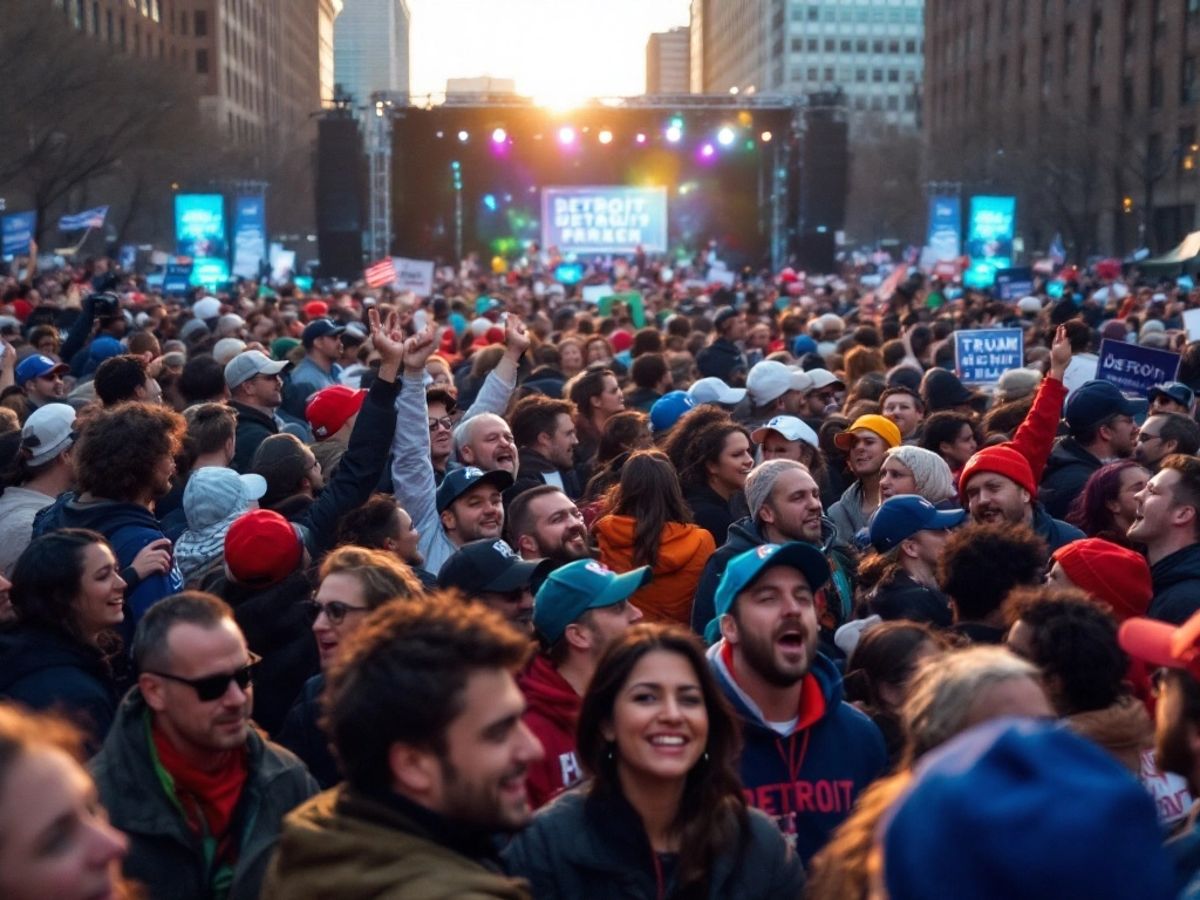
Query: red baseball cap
x,y
262,548
330,409
1163,644
316,309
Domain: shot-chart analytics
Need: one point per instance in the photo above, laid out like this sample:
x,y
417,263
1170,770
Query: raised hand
x,y
1060,353
516,337
418,349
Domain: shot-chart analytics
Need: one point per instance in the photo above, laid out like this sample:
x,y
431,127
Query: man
x,y
1171,397
126,378
332,412
183,772
785,507
319,368
490,571
822,397
41,379
979,566
1164,434
1102,430
867,442
256,393
486,442
440,407
807,754
544,523
723,358
997,485
44,470
786,437
580,610
425,717
651,378
904,407
544,431
775,390
1167,523
292,472
715,391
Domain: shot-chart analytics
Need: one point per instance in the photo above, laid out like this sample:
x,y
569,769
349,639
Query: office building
x,y
371,49
667,67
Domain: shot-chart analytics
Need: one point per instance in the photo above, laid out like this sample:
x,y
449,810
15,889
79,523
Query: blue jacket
x,y
1055,532
810,780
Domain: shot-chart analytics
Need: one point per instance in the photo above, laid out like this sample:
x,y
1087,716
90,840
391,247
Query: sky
x,y
558,51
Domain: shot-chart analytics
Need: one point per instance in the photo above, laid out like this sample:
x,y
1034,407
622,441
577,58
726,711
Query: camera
x,y
106,305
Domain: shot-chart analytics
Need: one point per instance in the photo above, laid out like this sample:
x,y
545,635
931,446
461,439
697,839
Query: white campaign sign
x,y
414,275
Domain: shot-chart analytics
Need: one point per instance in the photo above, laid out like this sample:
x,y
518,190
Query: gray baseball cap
x,y
247,365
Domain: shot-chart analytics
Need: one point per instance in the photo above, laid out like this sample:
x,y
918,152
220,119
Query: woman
x,y
1107,505
951,435
597,395
353,581
598,351
912,470
712,456
68,595
570,357
623,433
649,524
55,839
663,815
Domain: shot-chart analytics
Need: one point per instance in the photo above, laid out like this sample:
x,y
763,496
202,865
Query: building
x,y
371,49
667,66
480,89
1086,111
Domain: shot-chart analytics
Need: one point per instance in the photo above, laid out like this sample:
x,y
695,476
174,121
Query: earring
x,y
704,758
609,755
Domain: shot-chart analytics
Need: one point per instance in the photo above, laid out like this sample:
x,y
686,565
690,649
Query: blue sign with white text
x,y
18,232
944,237
249,236
1013,284
178,278
1135,369
990,232
982,355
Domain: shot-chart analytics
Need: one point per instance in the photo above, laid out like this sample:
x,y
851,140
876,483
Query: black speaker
x,y
816,251
826,161
340,196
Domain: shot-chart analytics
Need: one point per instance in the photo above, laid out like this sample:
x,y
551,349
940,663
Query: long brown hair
x,y
713,809
648,493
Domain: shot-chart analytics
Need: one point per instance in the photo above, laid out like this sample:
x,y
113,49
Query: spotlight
x,y
464,136
674,134
725,136
605,136
707,151
499,136
766,137
641,138
566,135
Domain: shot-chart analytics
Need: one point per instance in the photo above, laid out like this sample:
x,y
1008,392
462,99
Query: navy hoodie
x,y
810,780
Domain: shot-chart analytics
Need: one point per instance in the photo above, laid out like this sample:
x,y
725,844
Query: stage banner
x,y
992,226
982,355
18,232
604,219
249,236
944,237
200,234
414,275
1135,369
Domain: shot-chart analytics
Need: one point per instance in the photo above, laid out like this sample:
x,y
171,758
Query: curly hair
x,y
121,445
981,563
698,438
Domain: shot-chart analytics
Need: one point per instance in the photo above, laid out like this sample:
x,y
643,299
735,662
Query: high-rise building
x,y
667,67
371,49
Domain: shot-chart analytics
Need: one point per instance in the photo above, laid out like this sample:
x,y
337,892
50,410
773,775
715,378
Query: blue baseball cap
x,y
899,518
319,328
458,481
744,569
1173,390
1094,401
802,345
37,366
571,590
669,409
104,347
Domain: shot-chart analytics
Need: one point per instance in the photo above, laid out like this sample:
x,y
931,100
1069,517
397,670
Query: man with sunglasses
x,y
255,384
491,571
183,772
41,379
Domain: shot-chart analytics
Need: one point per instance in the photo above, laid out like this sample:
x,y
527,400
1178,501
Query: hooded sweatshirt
x,y
809,780
1176,580
683,551
551,714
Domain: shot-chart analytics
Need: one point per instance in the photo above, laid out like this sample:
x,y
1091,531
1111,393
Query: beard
x,y
478,805
762,655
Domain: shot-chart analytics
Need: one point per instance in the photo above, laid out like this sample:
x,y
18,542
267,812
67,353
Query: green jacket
x,y
341,844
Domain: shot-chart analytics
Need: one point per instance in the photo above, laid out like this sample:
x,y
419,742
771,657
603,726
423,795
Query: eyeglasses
x,y
445,422
213,687
335,610
1144,437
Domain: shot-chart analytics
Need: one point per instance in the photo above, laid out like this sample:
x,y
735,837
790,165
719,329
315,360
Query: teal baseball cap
x,y
744,569
571,590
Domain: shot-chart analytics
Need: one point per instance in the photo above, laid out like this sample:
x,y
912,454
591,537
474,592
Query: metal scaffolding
x,y
377,130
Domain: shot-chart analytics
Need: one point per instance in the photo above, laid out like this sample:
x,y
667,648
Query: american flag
x,y
380,274
89,218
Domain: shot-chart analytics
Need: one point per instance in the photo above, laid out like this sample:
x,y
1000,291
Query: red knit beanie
x,y
1109,572
1003,460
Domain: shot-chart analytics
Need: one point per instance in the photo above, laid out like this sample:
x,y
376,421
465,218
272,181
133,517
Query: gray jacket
x,y
847,514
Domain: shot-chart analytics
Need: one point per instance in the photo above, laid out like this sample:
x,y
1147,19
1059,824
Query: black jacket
x,y
1176,580
642,399
902,597
596,847
1067,471
302,734
531,467
721,359
253,427
710,510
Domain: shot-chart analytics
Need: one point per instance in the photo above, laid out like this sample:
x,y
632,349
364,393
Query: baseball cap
x,y
193,329
262,547
227,348
790,428
744,569
724,315
206,308
714,390
214,493
571,590
899,518
48,431
319,328
769,380
1163,644
246,365
1173,390
331,407
316,309
104,347
37,366
458,481
885,428
1093,402
668,409
487,565
823,378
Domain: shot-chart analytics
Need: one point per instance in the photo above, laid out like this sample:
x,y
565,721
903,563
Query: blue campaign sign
x,y
944,236
1135,369
249,236
1013,284
177,278
604,219
982,355
991,228
18,232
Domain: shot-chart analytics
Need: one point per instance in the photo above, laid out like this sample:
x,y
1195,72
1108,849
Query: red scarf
x,y
213,794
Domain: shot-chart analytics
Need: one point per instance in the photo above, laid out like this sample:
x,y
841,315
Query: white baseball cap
x,y
769,380
714,390
789,427
822,378
49,430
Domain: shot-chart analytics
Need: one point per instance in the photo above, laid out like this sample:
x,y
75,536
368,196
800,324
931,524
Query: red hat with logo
x,y
262,548
1109,572
330,409
1003,460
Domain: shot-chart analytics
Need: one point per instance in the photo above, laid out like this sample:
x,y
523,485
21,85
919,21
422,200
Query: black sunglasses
x,y
213,687
335,610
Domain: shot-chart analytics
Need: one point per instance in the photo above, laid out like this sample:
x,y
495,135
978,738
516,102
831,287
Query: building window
x,y
797,45
829,76
813,45
1156,87
201,29
183,24
814,13
877,76
860,75
860,46
202,61
1187,81
910,47
845,46
830,45
1193,11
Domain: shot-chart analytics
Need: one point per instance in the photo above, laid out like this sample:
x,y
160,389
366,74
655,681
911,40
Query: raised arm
x,y
412,465
1034,438
497,388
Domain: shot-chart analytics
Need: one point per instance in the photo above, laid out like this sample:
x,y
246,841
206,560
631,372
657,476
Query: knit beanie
x,y
1109,572
930,472
1003,460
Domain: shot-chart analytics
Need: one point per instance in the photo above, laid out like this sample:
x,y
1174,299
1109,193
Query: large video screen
x,y
609,219
990,239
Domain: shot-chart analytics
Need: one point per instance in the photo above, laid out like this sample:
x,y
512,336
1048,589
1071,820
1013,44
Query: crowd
x,y
727,592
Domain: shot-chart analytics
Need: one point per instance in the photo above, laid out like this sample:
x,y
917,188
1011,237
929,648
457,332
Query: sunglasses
x,y
213,687
335,610
445,423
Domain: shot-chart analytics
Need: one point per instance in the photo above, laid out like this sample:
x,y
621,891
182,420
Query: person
x,y
67,593
441,407
380,524
55,838
808,753
210,440
904,407
597,396
1102,429
1108,503
823,398
1165,433
41,380
648,524
486,442
774,390
490,571
580,610
201,795
42,470
1109,573
353,581
319,368
867,440
256,394
788,437
292,473
951,435
623,433
425,716
1171,397
651,380
544,432
980,565
722,357
332,412
124,379
715,391
214,497
913,470
1167,523
660,744
712,461
544,523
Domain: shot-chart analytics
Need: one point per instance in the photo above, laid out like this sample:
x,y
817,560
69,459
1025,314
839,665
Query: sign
x,y
200,234
1135,369
249,236
721,276
1013,284
594,293
1191,321
89,218
127,258
414,275
18,232
944,237
604,219
177,278
982,355
990,233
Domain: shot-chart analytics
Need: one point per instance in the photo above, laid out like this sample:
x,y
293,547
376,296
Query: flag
x,y
380,274
892,282
89,218
1058,252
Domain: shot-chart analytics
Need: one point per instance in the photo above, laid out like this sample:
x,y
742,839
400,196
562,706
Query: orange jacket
x,y
682,554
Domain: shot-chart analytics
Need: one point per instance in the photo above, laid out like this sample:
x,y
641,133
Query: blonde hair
x,y
382,576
